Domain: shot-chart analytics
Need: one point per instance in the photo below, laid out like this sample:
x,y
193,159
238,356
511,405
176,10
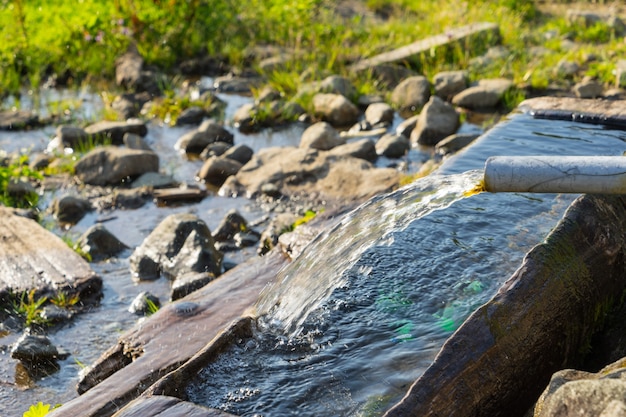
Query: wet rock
x,y
239,153
55,314
215,149
133,141
166,242
486,94
577,393
99,243
20,189
321,136
335,84
363,149
437,120
588,89
209,132
406,127
191,116
70,209
455,143
131,74
40,161
18,120
198,254
205,65
235,84
267,95
243,119
189,282
484,359
379,113
335,109
447,84
34,348
144,304
115,131
411,94
391,75
110,165
230,225
271,190
216,169
182,194
246,239
71,136
154,180
393,145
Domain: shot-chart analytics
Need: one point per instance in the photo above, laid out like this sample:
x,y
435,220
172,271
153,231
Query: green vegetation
x,y
37,410
64,300
30,308
43,37
76,247
11,173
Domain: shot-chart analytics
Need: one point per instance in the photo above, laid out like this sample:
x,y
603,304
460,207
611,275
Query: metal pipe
x,y
556,174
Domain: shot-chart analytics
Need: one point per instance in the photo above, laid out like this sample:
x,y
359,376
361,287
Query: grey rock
x,y
133,141
55,314
40,161
198,254
191,116
335,109
235,84
239,153
209,132
267,95
588,89
447,84
215,149
129,105
243,119
393,145
321,136
335,84
115,131
363,149
18,120
379,113
70,209
230,225
455,143
280,224
34,348
71,135
390,75
246,239
565,68
216,169
487,94
406,127
99,243
411,94
131,74
166,242
144,304
110,165
189,282
437,120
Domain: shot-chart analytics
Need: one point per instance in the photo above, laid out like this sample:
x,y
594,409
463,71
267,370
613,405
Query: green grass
x,y
17,169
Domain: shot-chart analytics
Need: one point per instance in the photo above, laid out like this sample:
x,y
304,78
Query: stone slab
x,y
610,113
413,50
32,258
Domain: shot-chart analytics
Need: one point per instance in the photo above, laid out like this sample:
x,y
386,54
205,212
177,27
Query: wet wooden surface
x,y
31,257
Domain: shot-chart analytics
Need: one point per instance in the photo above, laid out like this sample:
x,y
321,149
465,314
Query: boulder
x,y
335,109
115,131
485,95
216,169
18,120
99,243
70,209
588,88
144,304
447,84
131,74
154,180
406,126
133,141
393,145
379,114
390,75
455,143
321,136
111,165
191,116
215,149
363,149
239,153
244,119
313,172
71,135
34,348
335,84
129,105
280,224
411,94
493,365
572,393
163,250
209,132
230,225
437,120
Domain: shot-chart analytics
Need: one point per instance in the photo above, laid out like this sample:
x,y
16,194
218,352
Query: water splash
x,y
301,288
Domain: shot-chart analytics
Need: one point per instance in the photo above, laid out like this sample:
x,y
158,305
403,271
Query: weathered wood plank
x,y
31,257
413,50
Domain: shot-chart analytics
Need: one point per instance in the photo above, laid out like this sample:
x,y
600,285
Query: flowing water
x,y
363,311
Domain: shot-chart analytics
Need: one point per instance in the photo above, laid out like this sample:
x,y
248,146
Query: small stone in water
x,y
144,304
